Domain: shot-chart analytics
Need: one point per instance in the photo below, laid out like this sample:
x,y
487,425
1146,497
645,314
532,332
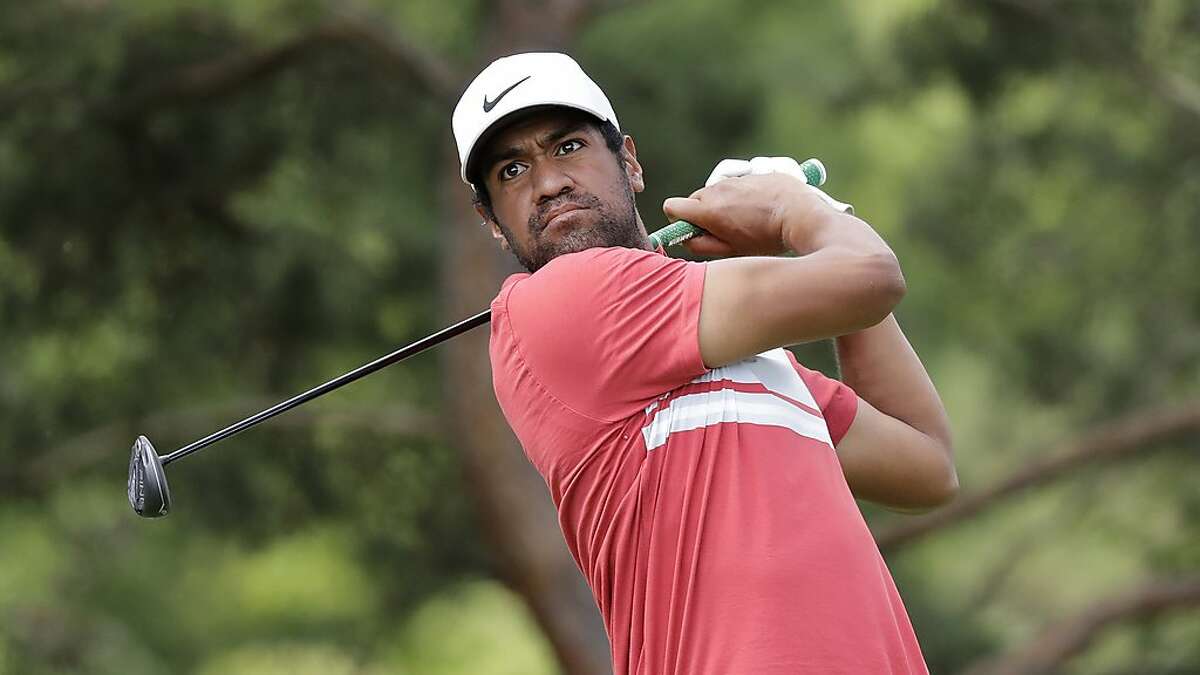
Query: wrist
x,y
804,229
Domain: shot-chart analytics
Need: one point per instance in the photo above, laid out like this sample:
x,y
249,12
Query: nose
x,y
549,181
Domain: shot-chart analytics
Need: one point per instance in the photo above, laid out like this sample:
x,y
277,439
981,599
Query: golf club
x,y
147,487
147,484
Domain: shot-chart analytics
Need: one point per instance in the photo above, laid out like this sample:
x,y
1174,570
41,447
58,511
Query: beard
x,y
616,224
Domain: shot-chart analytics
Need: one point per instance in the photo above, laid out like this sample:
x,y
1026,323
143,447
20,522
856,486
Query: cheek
x,y
513,213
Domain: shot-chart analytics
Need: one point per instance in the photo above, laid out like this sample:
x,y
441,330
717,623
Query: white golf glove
x,y
733,168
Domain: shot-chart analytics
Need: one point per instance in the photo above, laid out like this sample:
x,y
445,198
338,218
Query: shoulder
x,y
592,273
593,262
601,331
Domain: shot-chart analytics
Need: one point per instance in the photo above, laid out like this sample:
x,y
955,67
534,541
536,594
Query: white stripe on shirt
x,y
694,411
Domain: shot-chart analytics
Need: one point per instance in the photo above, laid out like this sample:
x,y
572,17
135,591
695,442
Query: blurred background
x,y
206,207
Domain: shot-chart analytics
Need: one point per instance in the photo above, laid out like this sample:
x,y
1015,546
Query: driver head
x,y
148,492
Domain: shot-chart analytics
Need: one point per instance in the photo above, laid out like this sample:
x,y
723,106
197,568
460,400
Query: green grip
x,y
681,230
676,232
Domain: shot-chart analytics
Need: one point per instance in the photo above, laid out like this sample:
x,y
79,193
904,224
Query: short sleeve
x,y
607,330
837,401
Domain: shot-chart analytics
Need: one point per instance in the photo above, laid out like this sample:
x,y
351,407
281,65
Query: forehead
x,y
537,125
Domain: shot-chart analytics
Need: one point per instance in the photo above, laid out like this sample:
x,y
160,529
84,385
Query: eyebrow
x,y
514,151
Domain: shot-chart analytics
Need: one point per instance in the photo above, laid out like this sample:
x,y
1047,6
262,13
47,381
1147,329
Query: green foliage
x,y
179,262
478,627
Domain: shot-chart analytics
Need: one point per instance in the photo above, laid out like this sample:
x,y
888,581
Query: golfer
x,y
705,481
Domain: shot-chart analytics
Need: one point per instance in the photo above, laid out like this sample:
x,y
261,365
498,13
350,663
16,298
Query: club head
x,y
148,492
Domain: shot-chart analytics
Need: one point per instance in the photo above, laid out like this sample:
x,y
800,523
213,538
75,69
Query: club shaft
x,y
360,372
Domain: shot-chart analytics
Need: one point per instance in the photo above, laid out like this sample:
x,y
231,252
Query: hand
x,y
735,168
752,215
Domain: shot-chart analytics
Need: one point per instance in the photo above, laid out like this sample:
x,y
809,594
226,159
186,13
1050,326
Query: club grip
x,y
682,230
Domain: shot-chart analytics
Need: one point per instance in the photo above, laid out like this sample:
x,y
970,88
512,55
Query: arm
x,y
898,451
844,282
844,278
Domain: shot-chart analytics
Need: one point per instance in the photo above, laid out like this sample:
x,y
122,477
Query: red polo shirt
x,y
706,507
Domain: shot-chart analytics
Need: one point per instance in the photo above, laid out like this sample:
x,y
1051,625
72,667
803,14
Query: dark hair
x,y
614,140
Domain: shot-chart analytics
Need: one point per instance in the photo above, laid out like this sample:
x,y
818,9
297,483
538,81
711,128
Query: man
x,y
704,480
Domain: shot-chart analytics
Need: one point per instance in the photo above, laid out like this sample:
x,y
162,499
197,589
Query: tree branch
x,y
391,48
1060,641
223,76
1117,440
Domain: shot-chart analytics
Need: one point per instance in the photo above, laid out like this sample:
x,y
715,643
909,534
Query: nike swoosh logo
x,y
488,105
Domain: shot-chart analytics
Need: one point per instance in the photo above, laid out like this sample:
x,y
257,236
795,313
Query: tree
x,y
208,208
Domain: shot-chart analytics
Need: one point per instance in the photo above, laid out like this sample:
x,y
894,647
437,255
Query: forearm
x,y
882,367
861,276
820,228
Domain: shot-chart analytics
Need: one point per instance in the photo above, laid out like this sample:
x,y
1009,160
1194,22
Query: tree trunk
x,y
513,501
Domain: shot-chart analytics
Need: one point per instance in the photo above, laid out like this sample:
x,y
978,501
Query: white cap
x,y
523,81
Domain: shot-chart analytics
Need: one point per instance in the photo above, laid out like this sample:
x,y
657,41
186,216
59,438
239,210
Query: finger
x,y
760,166
788,166
684,208
728,168
708,191
708,246
831,202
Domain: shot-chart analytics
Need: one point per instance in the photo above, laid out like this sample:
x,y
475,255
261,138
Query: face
x,y
556,188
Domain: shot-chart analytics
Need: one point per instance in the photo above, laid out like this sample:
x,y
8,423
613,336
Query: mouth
x,y
561,215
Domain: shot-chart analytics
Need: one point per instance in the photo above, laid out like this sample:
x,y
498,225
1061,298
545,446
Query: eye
x,y
567,147
511,170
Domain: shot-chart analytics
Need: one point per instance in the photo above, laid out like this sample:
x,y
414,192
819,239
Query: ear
x,y
496,233
633,169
